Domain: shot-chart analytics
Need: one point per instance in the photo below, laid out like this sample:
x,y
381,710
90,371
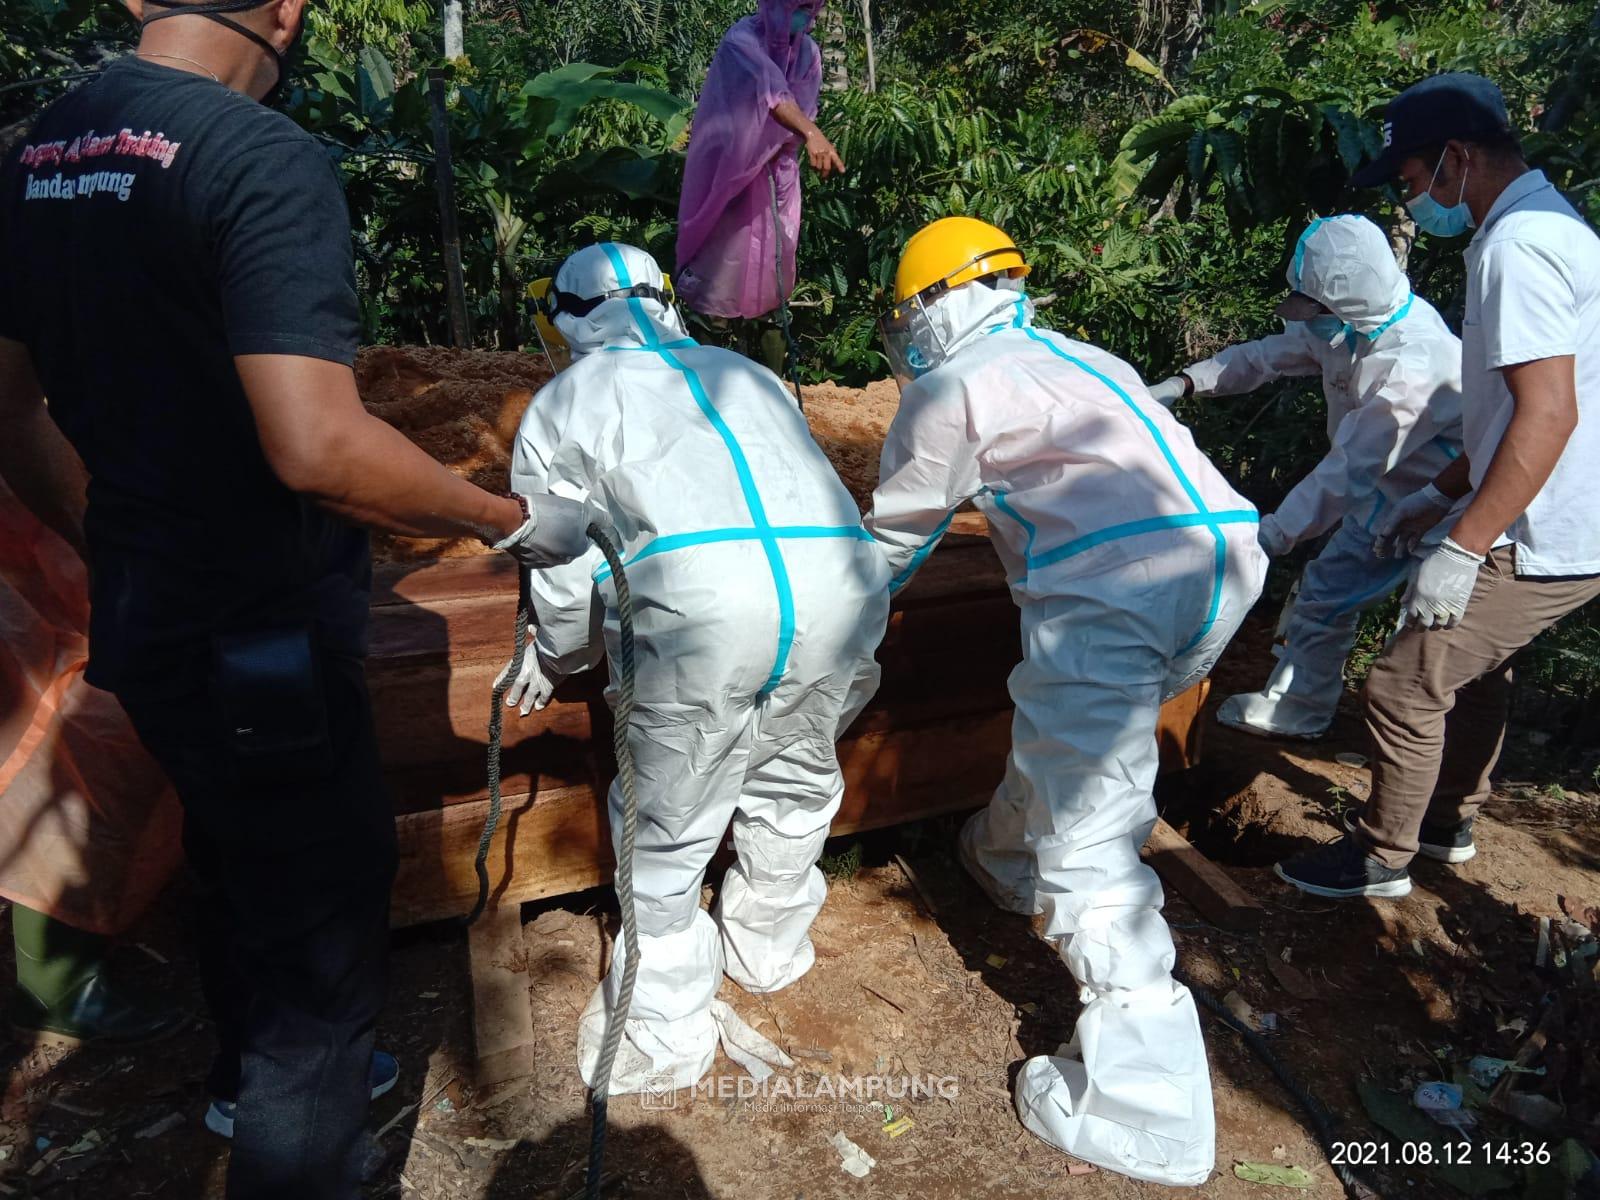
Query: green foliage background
x,y
1154,158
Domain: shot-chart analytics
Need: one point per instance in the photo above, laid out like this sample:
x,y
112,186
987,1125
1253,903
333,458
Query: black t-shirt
x,y
153,225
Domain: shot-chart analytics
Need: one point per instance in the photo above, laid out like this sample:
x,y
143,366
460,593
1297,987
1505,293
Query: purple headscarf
x,y
728,248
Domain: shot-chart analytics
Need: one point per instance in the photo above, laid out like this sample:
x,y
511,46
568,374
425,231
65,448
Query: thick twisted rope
x,y
618,1016
496,724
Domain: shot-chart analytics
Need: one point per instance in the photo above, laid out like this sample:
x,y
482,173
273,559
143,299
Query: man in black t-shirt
x,y
178,282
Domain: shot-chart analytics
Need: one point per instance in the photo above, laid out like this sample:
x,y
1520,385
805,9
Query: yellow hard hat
x,y
953,251
539,295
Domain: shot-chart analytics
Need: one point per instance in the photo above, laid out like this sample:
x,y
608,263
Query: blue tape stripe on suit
x,y
712,537
1208,519
747,485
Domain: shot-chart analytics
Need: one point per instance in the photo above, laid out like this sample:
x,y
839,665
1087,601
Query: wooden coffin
x,y
934,740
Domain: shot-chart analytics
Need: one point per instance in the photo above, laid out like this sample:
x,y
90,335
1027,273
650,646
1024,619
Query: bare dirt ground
x,y
937,985
1389,992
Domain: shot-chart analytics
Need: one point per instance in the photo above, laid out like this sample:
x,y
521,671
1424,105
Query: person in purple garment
x,y
739,214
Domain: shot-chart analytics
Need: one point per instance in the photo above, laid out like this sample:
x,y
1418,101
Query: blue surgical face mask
x,y
1326,328
1433,217
798,22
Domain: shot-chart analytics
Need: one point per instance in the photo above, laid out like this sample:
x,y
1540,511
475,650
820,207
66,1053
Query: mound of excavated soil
x,y
463,408
850,424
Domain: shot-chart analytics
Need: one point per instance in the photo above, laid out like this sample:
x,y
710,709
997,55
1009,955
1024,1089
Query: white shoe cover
x,y
670,1029
650,1052
753,1051
1013,894
675,1021
1268,715
805,957
1131,1092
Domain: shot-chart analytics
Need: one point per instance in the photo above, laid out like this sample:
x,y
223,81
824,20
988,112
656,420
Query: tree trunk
x,y
872,58
510,306
835,64
444,180
453,42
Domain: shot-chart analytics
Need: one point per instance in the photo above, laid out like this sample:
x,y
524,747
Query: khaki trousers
x,y
1437,702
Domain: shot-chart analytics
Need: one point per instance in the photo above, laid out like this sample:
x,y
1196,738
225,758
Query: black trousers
x,y
295,855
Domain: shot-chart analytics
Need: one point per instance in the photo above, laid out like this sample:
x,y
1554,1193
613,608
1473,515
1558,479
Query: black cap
x,y
1437,110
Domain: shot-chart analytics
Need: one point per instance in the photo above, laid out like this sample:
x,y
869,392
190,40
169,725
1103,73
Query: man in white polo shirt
x,y
1524,548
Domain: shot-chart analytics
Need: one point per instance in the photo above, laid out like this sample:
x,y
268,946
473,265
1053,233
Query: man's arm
x,y
1455,481
322,443
36,460
1544,394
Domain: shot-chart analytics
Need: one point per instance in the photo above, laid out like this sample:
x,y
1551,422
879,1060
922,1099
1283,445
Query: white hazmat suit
x,y
759,601
1392,379
1133,562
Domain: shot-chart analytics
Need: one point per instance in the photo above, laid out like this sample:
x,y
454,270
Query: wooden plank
x,y
923,747
558,845
557,841
963,566
1180,728
502,1015
1204,884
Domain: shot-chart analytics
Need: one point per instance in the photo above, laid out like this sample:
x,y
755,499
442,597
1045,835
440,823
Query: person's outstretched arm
x,y
1249,365
928,469
822,153
323,444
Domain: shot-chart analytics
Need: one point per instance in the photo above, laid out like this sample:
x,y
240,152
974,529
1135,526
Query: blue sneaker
x,y
382,1075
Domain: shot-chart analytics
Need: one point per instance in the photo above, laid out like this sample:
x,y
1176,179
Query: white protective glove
x,y
1442,586
534,684
1398,534
554,533
1272,537
1169,391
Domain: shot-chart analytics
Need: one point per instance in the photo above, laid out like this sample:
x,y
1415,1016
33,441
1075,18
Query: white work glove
x,y
1272,537
1169,391
1442,586
554,533
534,684
1398,533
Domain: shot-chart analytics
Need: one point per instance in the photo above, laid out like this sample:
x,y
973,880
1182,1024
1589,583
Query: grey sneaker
x,y
1343,869
1440,842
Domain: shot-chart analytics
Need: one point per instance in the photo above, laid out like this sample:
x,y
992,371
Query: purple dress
x,y
728,248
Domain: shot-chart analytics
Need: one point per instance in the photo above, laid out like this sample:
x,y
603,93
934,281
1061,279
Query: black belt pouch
x,y
268,688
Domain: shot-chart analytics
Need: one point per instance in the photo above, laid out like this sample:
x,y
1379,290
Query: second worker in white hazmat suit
x,y
1132,562
1391,373
759,601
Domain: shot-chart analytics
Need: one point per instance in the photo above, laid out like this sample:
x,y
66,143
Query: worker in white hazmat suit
x,y
758,603
1133,562
1391,373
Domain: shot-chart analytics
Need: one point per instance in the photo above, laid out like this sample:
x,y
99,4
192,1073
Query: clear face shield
x,y
911,341
912,338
